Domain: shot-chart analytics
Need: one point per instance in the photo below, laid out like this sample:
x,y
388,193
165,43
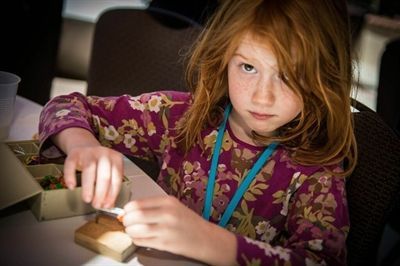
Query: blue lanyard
x,y
243,185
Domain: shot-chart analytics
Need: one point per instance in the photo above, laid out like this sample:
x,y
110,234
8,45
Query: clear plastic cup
x,y
8,92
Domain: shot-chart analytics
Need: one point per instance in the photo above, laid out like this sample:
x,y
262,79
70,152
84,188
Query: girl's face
x,y
260,99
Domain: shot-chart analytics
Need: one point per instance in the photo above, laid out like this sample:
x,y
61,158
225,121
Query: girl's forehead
x,y
250,45
251,41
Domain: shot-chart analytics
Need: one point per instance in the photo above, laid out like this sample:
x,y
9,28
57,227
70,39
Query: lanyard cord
x,y
243,185
214,165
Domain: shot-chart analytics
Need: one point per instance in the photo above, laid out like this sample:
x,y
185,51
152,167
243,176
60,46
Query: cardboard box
x,y
21,177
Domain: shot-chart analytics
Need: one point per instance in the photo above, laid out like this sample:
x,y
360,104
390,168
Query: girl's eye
x,y
248,68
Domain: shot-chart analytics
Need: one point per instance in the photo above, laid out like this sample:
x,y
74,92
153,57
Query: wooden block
x,y
106,237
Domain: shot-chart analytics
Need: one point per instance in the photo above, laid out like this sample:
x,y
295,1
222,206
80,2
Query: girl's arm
x,y
77,125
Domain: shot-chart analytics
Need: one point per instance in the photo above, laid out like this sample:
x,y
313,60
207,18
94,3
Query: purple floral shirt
x,y
290,215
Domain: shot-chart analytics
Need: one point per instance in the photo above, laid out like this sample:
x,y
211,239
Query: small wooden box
x,y
105,236
21,176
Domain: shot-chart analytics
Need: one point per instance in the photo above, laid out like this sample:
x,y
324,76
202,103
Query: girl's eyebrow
x,y
240,55
245,57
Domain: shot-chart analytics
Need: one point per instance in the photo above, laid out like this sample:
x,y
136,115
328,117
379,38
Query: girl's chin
x,y
265,133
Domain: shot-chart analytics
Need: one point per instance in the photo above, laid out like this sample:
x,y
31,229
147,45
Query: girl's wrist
x,y
70,138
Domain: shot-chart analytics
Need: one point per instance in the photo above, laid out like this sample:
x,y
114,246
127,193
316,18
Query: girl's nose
x,y
264,94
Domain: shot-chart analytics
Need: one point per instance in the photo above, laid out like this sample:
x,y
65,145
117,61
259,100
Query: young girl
x,y
254,158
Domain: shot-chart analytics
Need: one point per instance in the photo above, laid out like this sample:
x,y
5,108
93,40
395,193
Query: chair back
x,y
139,50
373,188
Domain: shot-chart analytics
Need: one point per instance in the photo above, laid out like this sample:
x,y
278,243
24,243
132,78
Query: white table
x,y
26,119
25,241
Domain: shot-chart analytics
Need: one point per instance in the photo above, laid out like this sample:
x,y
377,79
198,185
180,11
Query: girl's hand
x,y
164,223
101,173
101,168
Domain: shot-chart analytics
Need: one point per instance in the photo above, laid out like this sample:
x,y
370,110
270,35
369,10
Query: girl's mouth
x,y
261,116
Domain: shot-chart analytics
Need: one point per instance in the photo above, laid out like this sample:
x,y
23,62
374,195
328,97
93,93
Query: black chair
x,y
374,186
198,10
136,51
387,103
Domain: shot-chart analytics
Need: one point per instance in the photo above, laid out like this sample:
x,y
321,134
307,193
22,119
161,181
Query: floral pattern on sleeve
x,y
129,124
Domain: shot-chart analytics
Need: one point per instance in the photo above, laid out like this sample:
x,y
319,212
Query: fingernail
x,y
96,205
108,205
87,198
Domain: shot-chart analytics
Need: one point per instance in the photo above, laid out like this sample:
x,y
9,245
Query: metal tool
x,y
114,212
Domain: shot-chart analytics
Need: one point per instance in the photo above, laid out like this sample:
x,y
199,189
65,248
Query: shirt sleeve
x,y
141,126
315,231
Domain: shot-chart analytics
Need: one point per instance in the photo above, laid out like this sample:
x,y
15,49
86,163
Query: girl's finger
x,y
142,230
116,182
150,242
69,172
87,179
152,202
103,181
148,216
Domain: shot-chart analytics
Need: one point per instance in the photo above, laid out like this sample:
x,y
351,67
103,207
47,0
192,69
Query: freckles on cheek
x,y
236,92
239,87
